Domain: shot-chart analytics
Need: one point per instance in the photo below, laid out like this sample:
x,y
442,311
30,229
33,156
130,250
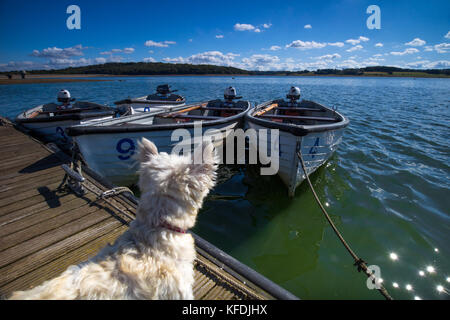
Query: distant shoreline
x,y
34,78
59,78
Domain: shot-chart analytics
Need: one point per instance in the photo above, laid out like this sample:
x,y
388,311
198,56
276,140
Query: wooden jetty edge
x,y
44,229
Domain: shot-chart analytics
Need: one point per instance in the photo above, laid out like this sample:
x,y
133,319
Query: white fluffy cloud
x,y
426,64
355,48
219,36
260,62
329,57
416,42
275,48
163,44
378,45
307,26
447,36
125,50
442,47
149,59
250,27
59,53
208,57
406,51
128,50
336,44
244,27
305,45
356,41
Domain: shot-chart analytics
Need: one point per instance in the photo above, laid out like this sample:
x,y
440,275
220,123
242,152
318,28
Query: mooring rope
x,y
359,263
77,186
114,192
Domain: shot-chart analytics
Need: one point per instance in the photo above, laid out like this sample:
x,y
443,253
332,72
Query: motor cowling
x,y
293,94
230,94
163,89
64,96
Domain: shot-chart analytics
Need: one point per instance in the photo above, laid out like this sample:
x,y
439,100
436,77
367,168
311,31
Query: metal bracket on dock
x,y
73,177
74,180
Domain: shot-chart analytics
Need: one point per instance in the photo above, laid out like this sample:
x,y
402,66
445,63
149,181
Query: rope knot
x,y
359,264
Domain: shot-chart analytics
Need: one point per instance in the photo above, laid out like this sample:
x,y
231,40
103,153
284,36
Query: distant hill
x,y
159,68
145,68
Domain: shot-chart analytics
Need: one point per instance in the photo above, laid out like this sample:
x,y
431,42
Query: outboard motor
x,y
294,94
230,94
164,89
64,96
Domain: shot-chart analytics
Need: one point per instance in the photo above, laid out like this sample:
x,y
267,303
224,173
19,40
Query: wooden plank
x,y
19,150
51,199
30,165
202,285
58,249
29,216
217,293
55,267
23,159
43,191
14,140
22,170
39,242
33,183
16,176
52,223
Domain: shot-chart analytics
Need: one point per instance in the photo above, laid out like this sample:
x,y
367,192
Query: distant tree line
x,y
159,68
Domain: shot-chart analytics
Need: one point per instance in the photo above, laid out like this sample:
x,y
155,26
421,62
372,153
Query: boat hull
x,y
112,155
55,131
317,135
316,148
50,123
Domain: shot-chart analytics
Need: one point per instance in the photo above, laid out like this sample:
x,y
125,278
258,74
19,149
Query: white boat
x,y
307,126
163,97
49,122
108,147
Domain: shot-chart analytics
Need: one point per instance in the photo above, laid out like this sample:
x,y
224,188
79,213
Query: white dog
x,y
154,258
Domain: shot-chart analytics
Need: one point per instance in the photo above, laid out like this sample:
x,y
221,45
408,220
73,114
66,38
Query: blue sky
x,y
254,35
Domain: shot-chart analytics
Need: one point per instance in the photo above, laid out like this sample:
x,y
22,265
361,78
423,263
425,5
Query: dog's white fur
x,y
148,261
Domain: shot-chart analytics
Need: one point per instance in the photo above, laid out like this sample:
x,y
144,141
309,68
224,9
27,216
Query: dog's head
x,y
173,187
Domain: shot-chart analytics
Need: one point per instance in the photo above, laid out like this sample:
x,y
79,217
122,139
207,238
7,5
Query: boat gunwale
x,y
143,100
296,129
93,129
78,114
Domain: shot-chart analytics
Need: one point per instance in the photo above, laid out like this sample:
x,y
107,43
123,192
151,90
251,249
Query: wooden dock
x,y
43,229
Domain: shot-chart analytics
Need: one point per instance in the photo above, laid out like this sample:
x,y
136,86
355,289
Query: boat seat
x,y
218,108
298,117
194,117
196,112
172,97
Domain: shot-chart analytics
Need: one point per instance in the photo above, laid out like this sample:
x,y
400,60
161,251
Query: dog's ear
x,y
147,149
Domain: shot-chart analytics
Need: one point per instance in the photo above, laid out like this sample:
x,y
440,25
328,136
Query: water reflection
x,y
393,256
431,269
